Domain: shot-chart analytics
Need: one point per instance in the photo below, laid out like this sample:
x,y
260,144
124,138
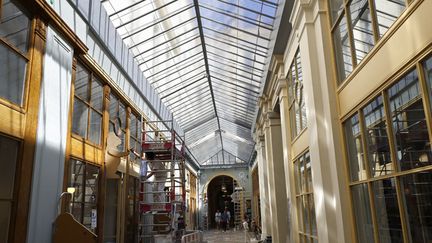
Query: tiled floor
x,y
215,236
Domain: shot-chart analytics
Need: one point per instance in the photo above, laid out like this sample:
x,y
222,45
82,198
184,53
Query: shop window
x,y
305,199
297,108
117,115
378,148
87,109
8,164
14,57
409,123
84,177
393,125
368,21
354,147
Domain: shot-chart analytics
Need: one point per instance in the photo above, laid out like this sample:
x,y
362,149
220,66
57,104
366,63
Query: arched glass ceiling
x,y
206,59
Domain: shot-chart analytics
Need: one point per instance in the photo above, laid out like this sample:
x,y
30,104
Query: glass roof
x,y
206,60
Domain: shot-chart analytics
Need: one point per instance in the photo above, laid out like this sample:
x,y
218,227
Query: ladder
x,y
162,189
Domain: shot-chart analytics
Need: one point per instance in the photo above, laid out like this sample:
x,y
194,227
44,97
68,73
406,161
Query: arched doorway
x,y
219,191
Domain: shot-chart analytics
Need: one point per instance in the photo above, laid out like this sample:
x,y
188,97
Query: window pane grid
x,y
297,108
386,205
357,26
304,197
88,105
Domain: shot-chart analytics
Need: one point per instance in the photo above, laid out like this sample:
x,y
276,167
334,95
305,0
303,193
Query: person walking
x,y
225,219
218,219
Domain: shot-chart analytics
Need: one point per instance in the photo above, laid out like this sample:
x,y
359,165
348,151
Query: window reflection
x,y
355,149
362,31
14,35
362,213
376,138
296,97
85,178
417,190
387,211
387,12
409,123
342,49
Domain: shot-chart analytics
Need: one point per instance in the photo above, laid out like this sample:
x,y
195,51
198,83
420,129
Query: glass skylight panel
x,y
164,38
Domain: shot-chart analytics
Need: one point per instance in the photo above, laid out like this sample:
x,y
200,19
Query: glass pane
x,y
95,129
306,216
428,73
336,6
5,211
302,174
309,186
14,25
377,139
342,49
409,123
312,214
91,184
387,211
82,82
76,172
361,24
90,211
133,126
76,211
293,121
297,176
387,13
300,213
113,107
12,75
355,149
8,160
122,114
417,189
362,213
80,118
91,195
97,95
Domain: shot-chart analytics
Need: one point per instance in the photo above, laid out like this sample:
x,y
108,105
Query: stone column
x,y
276,176
263,188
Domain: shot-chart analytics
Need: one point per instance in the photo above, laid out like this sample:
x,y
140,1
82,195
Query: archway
x,y
218,197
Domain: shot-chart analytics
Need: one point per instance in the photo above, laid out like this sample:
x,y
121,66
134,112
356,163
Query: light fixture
x,y
71,190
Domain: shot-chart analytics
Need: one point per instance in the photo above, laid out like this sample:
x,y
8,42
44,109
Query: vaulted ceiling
x,y
206,59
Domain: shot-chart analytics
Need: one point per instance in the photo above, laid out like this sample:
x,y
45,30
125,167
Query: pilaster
x,y
329,177
276,175
263,186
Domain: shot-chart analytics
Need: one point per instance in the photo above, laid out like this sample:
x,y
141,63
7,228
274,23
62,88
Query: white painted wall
x,y
51,138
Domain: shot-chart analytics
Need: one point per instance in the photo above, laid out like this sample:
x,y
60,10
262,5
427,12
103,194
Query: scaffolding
x,y
162,183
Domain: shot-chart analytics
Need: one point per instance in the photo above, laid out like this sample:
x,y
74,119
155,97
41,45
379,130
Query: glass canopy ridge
x,y
206,59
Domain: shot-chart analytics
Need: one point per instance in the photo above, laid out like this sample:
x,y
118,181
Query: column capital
x,y
272,119
281,88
